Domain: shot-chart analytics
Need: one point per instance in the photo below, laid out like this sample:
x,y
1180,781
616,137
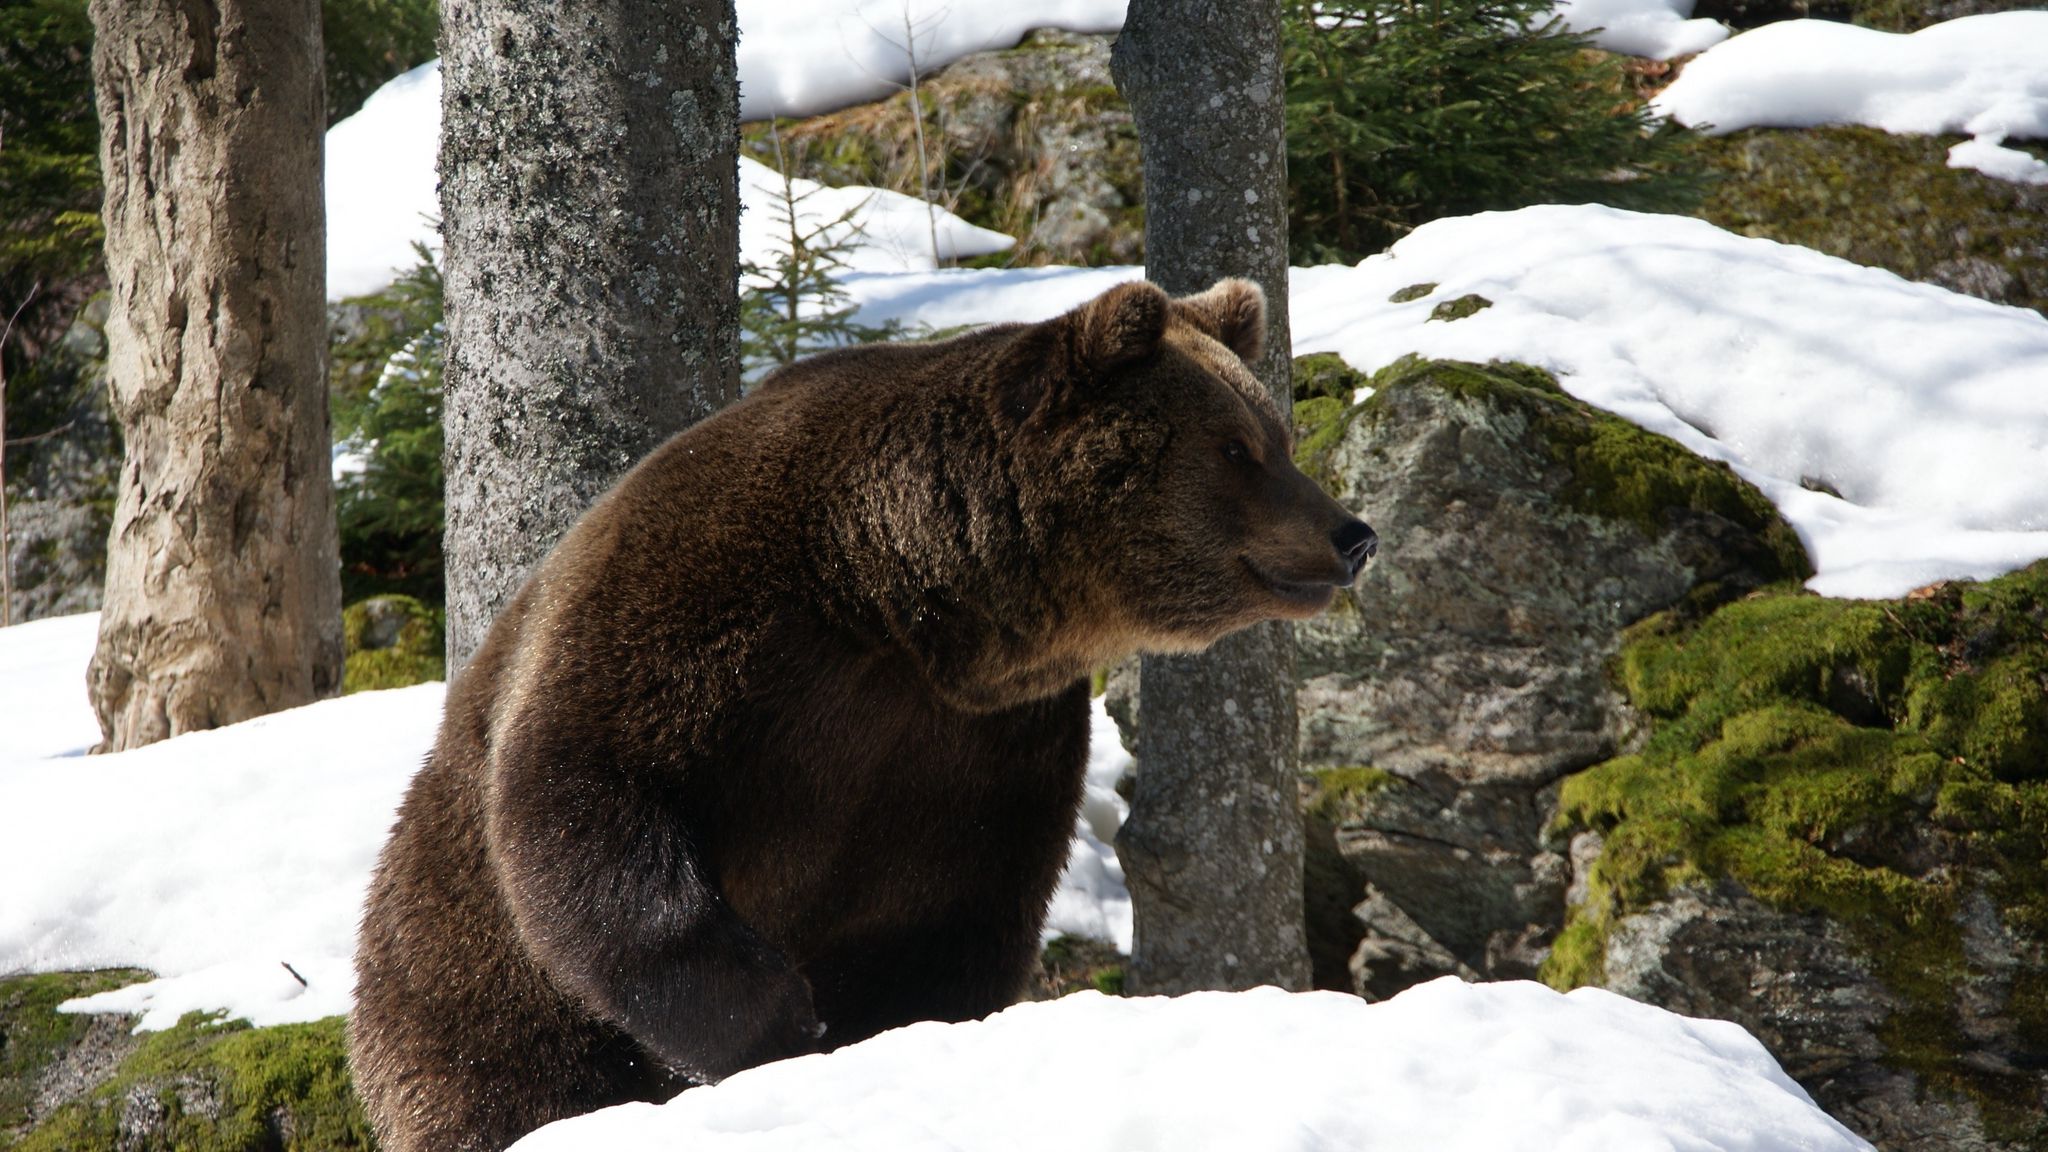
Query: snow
x,y
882,231
44,711
1658,29
1927,410
381,184
212,859
796,58
804,57
1446,1066
1985,76
381,200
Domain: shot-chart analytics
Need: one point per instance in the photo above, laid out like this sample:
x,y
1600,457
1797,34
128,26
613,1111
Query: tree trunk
x,y
1213,846
590,201
223,585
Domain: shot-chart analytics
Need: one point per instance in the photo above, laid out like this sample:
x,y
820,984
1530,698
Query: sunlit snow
x,y
1659,29
1985,76
1445,1066
381,201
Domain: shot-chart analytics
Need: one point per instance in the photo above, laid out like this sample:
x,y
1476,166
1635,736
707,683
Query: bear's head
x,y
1166,469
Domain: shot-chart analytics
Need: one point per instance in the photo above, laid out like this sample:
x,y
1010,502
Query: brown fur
x,y
789,729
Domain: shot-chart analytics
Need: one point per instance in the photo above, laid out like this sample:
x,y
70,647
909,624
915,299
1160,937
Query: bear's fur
x,y
783,744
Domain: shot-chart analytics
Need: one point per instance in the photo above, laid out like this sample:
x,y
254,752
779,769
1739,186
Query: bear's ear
x,y
1056,361
1122,326
1233,311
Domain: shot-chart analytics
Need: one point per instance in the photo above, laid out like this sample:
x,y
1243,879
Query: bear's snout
x,y
1357,543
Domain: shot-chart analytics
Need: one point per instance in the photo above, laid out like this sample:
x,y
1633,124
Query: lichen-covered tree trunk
x,y
223,587
590,201
1213,846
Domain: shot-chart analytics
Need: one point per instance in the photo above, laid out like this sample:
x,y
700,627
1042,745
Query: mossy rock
x,y
70,1082
1326,374
1522,530
1885,201
1033,142
1611,468
1879,765
1470,304
1884,15
392,642
45,1054
206,1086
1072,964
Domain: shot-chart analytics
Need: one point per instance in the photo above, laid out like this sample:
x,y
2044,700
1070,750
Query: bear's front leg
x,y
607,894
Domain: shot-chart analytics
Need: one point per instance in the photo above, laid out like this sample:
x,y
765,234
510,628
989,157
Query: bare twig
x,y
924,188
18,441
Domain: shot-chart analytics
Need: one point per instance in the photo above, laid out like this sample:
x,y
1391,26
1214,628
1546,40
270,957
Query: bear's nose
x,y
1356,542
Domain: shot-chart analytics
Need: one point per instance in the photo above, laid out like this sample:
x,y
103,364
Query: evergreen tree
x,y
1401,111
795,305
390,510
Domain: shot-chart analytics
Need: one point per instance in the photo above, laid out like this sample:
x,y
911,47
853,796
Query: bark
x,y
223,584
590,201
1213,846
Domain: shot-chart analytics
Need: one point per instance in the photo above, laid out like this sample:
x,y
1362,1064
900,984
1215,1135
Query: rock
x,y
1886,201
1887,15
1522,531
49,1059
70,1082
1032,141
391,642
63,457
1578,721
1832,833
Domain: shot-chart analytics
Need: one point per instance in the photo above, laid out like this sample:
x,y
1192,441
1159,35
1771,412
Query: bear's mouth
x,y
1313,595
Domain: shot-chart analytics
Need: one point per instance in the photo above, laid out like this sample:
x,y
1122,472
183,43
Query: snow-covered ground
x,y
1445,1066
1659,29
801,58
1986,76
381,200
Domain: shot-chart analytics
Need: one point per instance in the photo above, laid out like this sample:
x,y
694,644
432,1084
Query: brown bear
x,y
783,744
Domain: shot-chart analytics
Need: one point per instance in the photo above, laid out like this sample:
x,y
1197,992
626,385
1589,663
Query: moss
x,y
1319,426
1326,374
1886,201
215,1087
1466,305
1072,964
1862,760
1614,470
1338,791
33,1034
381,656
1411,292
1578,957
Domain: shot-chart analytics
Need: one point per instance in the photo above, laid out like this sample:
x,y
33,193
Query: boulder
x,y
1580,722
1032,141
63,456
1886,201
70,1082
1444,697
1836,834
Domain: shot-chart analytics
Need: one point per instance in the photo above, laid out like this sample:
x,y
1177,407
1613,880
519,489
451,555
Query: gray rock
x,y
1469,661
62,461
1033,141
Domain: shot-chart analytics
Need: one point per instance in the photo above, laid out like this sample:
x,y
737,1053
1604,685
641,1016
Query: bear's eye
x,y
1236,451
